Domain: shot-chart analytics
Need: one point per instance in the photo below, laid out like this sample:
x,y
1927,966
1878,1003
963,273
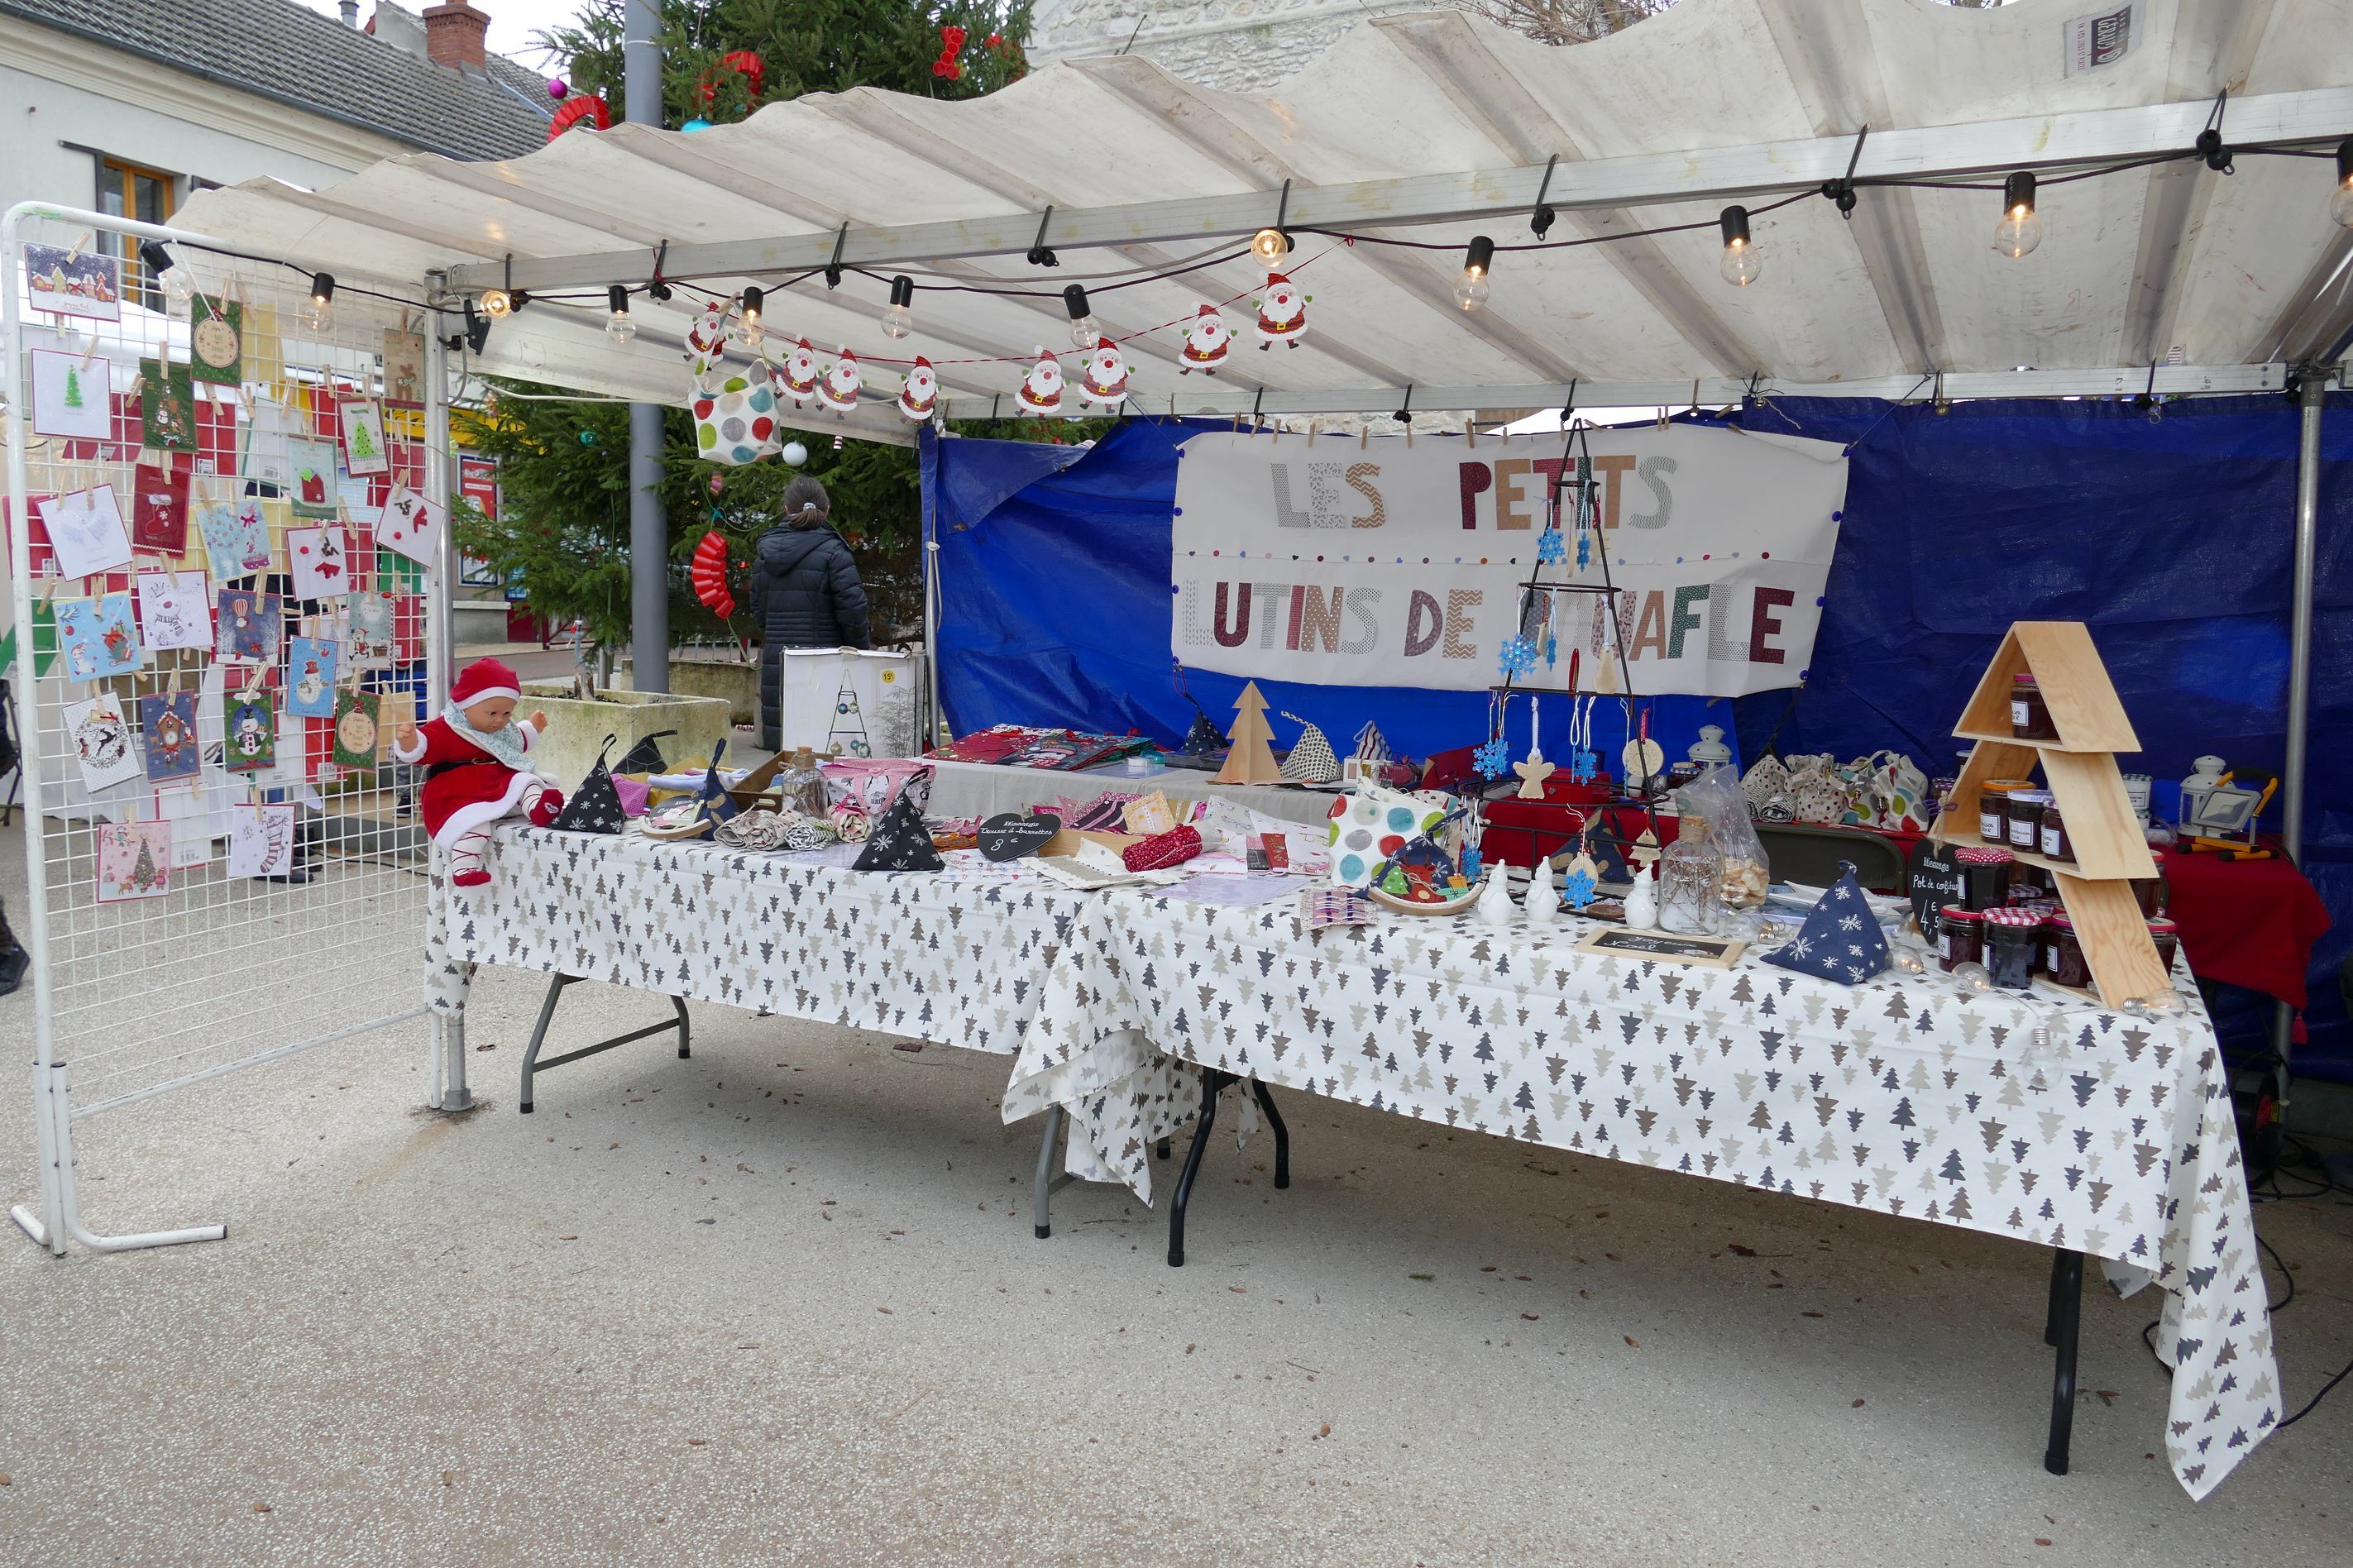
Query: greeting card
x,y
320,560
311,669
215,340
249,626
265,462
236,540
74,281
159,507
98,637
167,406
363,429
356,714
249,722
70,397
168,722
369,646
134,860
102,742
311,466
85,529
260,840
175,610
411,526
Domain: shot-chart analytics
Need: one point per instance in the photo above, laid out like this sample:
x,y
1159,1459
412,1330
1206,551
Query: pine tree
x,y
363,444
143,874
73,386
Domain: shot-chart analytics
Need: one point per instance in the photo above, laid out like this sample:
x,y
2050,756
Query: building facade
x,y
1237,46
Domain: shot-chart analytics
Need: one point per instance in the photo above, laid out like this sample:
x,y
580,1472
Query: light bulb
x,y
319,314
179,286
1269,247
1471,286
1741,265
497,303
755,304
899,316
2020,228
2340,201
617,324
1084,333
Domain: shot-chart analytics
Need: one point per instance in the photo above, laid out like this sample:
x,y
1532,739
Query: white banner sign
x,y
1387,565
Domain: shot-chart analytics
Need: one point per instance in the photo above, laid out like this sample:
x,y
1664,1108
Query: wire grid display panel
x,y
231,860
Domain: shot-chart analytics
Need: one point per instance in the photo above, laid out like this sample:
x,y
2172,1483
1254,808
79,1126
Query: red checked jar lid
x,y
2012,915
1983,855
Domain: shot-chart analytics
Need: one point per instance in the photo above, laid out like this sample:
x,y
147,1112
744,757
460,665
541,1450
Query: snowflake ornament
x,y
1491,758
1518,656
1551,546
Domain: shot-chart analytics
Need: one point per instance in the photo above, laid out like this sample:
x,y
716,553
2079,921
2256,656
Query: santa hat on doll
x,y
482,680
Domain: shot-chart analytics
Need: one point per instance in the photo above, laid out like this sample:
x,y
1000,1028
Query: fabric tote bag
x,y
596,806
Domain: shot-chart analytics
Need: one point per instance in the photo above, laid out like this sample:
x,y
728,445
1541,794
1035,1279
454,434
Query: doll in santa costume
x,y
476,757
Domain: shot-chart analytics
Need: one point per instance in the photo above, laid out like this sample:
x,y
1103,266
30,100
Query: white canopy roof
x,y
1433,127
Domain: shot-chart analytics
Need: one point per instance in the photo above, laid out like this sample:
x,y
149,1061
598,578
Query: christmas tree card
x,y
236,540
356,714
69,398
168,723
134,860
175,610
249,722
86,532
311,469
159,507
311,664
249,626
260,840
98,637
320,562
102,742
215,340
167,407
411,526
363,425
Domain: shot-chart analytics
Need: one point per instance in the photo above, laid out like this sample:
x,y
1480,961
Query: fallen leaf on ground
x,y
884,1311
449,1478
1327,1432
1629,1340
1809,1314
1189,1350
2042,1541
1421,1275
1238,1290
1739,1251
1858,1405
261,1507
1530,1317
696,1442
567,1238
2107,1396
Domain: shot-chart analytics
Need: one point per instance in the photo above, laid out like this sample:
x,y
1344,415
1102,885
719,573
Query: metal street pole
x,y
2315,397
648,527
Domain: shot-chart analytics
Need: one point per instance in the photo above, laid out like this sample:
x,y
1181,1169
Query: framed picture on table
x,y
1702,952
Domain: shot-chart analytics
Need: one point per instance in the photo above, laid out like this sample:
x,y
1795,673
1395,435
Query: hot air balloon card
x,y
363,426
249,626
98,637
168,723
320,562
311,666
134,860
311,477
411,526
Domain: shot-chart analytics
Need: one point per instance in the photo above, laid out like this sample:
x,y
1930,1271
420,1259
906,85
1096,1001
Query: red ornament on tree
x,y
951,44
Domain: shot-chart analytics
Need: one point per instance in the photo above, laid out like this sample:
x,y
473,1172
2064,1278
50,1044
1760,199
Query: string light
x,y
179,285
899,316
617,324
1269,247
756,302
2020,230
319,313
1472,288
1740,265
1084,331
497,304
2340,201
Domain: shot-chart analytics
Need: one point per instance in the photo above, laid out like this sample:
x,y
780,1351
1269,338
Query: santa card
x,y
320,562
85,529
168,723
70,397
311,664
159,507
134,860
362,428
369,624
411,526
102,742
175,609
260,840
98,637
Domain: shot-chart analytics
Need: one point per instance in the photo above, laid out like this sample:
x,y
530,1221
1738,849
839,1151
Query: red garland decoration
x,y
710,575
745,63
580,105
951,44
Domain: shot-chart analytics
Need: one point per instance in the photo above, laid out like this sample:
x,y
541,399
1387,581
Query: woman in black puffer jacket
x,y
805,594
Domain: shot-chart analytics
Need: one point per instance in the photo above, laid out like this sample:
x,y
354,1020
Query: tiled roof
x,y
279,50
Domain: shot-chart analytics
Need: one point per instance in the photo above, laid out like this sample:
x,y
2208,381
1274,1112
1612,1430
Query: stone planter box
x,y
576,729
737,682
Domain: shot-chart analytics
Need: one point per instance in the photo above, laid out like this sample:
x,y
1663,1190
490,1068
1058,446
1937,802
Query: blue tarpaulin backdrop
x,y
2172,537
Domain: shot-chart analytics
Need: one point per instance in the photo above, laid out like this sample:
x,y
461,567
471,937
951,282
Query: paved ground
x,y
780,1303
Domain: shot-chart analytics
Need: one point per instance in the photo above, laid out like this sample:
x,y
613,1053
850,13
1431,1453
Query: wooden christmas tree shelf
x,y
2079,768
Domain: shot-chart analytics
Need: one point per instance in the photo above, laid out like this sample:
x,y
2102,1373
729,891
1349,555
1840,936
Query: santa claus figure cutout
x,y
477,761
1282,314
1041,389
1103,380
838,390
1206,343
920,392
800,373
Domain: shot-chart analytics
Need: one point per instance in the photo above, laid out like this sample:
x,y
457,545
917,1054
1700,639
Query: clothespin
x,y
1314,425
49,592
1471,431
1364,436
80,244
89,351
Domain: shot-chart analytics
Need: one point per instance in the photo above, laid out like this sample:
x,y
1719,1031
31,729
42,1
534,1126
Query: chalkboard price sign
x,y
1936,879
1706,951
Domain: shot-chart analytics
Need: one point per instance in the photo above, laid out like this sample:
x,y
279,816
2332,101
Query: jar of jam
x,y
2025,811
1985,877
2063,954
2030,718
2054,836
1960,936
2167,937
2013,947
1993,808
2149,893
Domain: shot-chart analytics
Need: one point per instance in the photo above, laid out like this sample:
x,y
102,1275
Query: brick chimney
x,y
453,35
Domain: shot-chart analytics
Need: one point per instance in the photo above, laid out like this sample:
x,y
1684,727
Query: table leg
x,y
1161,1147
2066,1319
1042,1197
555,985
1281,1133
683,1050
1213,1083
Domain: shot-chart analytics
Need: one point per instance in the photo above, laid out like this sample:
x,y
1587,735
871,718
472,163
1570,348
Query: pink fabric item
x,y
1173,848
633,794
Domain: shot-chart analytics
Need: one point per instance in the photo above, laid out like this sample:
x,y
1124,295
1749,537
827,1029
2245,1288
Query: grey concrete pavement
x,y
781,1304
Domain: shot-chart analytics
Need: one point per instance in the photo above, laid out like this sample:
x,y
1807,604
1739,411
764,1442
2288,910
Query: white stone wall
x,y
1237,46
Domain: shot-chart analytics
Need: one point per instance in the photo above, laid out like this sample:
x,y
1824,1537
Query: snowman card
x,y
98,637
167,407
85,529
236,540
174,610
311,468
411,526
363,429
250,723
320,562
248,627
102,742
70,397
159,507
168,722
134,860
369,644
311,664
260,840
356,721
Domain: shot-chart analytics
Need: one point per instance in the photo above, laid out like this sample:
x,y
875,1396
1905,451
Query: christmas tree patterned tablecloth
x,y
1913,1095
949,961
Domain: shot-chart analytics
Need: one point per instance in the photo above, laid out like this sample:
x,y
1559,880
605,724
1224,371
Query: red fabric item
x,y
2245,922
484,678
1173,848
463,798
